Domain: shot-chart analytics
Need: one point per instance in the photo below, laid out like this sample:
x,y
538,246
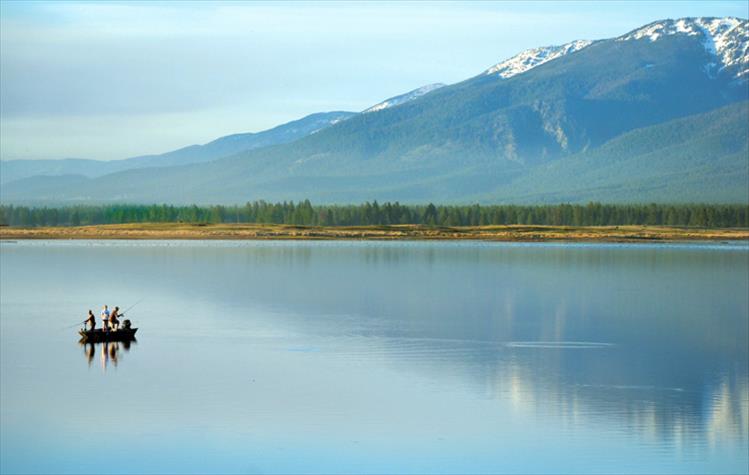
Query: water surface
x,y
376,357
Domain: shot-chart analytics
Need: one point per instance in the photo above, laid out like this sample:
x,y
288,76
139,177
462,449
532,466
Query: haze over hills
x,y
11,170
657,114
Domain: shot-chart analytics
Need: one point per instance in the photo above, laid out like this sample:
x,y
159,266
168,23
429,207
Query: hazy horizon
x,y
115,80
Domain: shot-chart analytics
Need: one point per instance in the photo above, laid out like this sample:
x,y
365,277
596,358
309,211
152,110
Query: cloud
x,y
237,18
116,136
132,65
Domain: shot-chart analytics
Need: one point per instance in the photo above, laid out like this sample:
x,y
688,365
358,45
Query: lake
x,y
375,357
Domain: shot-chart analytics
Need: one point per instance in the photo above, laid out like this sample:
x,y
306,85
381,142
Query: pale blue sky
x,y
118,79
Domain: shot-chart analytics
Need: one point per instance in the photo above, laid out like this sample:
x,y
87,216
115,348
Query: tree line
x,y
304,213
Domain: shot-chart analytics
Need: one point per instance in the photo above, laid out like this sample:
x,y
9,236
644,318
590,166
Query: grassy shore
x,y
398,232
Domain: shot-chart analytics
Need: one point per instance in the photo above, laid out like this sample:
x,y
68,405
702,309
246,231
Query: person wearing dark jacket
x,y
114,321
91,320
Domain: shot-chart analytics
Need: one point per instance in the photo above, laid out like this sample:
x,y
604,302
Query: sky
x,y
111,80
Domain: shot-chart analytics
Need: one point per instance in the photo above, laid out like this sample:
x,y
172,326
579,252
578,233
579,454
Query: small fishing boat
x,y
99,335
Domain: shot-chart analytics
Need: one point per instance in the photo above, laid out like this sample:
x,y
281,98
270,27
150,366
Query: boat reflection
x,y
110,353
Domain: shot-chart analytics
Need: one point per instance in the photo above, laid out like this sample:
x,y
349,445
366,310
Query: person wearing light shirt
x,y
105,318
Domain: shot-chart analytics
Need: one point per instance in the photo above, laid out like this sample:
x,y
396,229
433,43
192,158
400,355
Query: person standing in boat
x,y
114,322
91,320
105,318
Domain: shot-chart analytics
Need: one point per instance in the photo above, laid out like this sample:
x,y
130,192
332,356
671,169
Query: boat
x,y
99,335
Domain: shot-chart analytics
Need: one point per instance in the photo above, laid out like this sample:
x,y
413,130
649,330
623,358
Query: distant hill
x,y
11,170
657,114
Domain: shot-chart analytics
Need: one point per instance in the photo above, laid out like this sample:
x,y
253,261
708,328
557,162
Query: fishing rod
x,y
75,325
133,305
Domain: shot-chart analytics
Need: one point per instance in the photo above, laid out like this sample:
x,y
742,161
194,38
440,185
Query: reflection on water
x,y
109,352
384,357
679,416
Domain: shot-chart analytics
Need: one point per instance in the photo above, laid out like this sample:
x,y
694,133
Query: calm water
x,y
377,357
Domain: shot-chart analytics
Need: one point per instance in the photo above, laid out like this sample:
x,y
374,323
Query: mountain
x,y
232,144
604,119
12,170
699,158
403,98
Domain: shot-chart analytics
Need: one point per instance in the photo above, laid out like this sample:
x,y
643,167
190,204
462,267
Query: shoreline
x,y
258,232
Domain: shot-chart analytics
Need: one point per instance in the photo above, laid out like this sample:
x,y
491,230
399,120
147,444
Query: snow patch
x,y
403,98
531,58
725,38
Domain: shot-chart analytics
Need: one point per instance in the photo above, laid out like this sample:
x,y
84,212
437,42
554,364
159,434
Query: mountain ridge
x,y
403,98
12,170
530,58
719,38
481,138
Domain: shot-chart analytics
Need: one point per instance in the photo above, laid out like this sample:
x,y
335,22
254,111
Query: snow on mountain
x,y
531,58
725,38
403,98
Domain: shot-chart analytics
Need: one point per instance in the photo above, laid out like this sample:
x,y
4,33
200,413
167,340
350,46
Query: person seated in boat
x,y
91,320
114,322
105,318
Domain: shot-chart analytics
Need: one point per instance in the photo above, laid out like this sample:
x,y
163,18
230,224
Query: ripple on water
x,y
564,345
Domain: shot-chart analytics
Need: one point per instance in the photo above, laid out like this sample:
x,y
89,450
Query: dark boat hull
x,y
98,335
